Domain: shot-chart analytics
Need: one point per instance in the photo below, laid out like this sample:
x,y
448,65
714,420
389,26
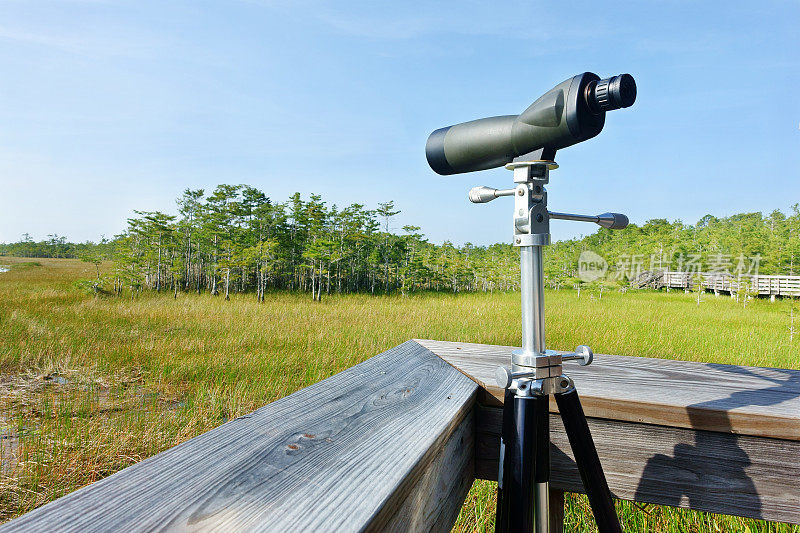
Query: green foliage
x,y
55,246
88,286
236,239
729,243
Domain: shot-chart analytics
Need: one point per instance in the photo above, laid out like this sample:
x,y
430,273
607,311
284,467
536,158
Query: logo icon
x,y
591,266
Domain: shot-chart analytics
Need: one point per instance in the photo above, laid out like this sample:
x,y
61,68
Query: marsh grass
x,y
92,384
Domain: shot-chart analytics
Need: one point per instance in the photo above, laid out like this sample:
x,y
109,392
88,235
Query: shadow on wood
x,y
727,453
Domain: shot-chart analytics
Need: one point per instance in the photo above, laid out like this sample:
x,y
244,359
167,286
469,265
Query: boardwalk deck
x,y
395,442
722,282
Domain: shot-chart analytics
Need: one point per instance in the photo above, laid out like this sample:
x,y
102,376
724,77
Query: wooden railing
x,y
723,282
394,443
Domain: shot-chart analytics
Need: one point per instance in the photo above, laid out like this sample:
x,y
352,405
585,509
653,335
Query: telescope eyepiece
x,y
612,93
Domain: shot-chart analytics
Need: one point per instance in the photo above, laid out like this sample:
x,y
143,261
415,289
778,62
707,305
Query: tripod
x,y
536,373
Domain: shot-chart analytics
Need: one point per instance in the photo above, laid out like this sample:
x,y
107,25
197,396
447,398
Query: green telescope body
x,y
571,112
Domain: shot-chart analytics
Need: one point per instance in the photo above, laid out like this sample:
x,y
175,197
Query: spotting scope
x,y
571,112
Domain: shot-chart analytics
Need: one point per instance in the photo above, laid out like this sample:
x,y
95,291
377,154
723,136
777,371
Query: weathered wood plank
x,y
437,496
704,470
361,450
730,399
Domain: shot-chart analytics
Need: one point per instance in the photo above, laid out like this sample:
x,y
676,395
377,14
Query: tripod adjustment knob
x,y
612,220
504,377
583,355
606,220
483,194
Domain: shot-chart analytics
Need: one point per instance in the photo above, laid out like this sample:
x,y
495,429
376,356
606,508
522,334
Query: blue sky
x,y
110,106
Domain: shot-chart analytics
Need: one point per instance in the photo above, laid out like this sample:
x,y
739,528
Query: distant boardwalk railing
x,y
721,282
394,444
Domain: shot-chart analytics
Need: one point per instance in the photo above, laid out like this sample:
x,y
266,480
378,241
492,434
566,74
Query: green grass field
x,y
91,385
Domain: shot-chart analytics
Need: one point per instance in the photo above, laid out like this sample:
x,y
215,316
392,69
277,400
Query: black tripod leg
x,y
507,436
594,481
524,458
531,427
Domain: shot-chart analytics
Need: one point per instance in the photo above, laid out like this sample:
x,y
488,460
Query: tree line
x,y
56,246
746,243
236,239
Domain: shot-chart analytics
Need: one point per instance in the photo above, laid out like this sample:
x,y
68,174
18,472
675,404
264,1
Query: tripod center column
x,y
531,233
531,258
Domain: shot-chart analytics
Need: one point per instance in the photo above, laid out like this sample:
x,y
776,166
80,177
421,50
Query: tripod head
x,y
531,234
483,194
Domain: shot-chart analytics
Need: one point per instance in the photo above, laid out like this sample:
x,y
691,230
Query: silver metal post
x,y
532,288
531,234
541,509
532,284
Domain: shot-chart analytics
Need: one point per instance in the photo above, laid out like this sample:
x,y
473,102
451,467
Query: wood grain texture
x,y
384,444
704,470
436,498
724,398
